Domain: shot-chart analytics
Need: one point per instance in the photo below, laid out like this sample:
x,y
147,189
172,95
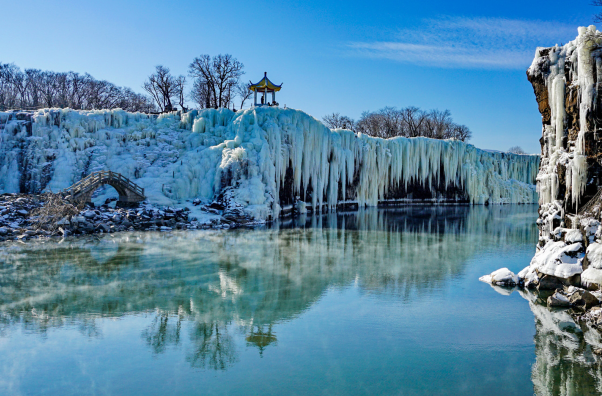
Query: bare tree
x,y
243,92
461,132
335,121
437,124
201,94
162,87
516,150
180,85
215,79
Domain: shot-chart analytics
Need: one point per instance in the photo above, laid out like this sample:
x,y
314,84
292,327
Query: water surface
x,y
369,302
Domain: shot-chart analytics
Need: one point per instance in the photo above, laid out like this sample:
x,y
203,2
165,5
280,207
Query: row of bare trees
x,y
35,88
408,122
216,82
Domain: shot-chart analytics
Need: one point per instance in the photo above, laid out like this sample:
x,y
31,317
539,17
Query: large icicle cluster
x,y
250,158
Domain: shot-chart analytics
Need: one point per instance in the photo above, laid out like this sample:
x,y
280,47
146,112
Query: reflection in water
x,y
565,363
243,280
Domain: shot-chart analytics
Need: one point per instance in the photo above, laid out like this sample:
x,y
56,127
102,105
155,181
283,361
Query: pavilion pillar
x,y
273,96
265,95
255,98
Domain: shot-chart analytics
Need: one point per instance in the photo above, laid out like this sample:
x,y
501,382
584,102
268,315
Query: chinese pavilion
x,y
265,86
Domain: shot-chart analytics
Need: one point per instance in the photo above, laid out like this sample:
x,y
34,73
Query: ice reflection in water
x,y
565,363
253,278
204,291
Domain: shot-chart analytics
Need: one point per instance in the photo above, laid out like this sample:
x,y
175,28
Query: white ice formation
x,y
250,158
570,73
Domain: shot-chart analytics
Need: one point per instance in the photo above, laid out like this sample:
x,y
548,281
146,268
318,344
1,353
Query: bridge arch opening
x,y
128,193
103,193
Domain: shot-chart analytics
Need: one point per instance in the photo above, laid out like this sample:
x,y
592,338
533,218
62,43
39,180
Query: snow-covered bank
x,y
254,161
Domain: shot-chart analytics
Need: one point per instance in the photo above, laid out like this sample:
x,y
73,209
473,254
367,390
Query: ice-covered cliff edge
x,y
255,161
566,80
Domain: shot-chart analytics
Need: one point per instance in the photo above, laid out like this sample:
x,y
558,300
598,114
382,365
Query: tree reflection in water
x,y
212,346
243,280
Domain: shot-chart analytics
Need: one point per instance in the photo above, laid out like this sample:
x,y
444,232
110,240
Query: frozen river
x,y
369,302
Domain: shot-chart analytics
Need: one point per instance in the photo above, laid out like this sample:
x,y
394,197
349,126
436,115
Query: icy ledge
x,y
253,162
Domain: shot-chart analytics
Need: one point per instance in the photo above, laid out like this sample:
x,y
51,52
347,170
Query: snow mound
x,y
559,259
501,277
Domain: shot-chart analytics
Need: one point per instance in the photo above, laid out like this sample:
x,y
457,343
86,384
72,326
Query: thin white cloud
x,y
489,43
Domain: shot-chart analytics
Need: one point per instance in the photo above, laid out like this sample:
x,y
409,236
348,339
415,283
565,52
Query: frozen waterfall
x,y
256,160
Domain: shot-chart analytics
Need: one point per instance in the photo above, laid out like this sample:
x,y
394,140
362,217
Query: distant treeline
x,y
35,88
408,122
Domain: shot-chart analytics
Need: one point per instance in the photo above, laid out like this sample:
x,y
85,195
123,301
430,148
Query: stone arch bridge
x,y
129,193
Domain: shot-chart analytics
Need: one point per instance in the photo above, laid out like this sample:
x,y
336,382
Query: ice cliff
x,y
255,161
566,80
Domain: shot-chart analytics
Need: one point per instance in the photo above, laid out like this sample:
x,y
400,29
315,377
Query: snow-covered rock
x,y
501,277
558,300
559,259
573,236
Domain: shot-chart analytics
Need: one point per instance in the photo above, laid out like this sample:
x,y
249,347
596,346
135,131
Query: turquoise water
x,y
370,302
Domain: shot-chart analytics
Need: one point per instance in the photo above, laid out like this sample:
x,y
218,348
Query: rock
x,y
597,351
573,236
548,282
503,277
89,214
216,205
22,212
3,230
583,298
78,219
63,222
558,300
212,210
103,227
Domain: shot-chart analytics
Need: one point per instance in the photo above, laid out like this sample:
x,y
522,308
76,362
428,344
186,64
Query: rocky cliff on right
x,y
567,84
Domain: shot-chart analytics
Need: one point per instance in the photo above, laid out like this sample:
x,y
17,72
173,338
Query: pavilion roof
x,y
265,84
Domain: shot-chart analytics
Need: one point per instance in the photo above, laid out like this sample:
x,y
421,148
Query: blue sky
x,y
343,57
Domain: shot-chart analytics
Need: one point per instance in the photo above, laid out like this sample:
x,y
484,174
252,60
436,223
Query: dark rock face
x,y
541,94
